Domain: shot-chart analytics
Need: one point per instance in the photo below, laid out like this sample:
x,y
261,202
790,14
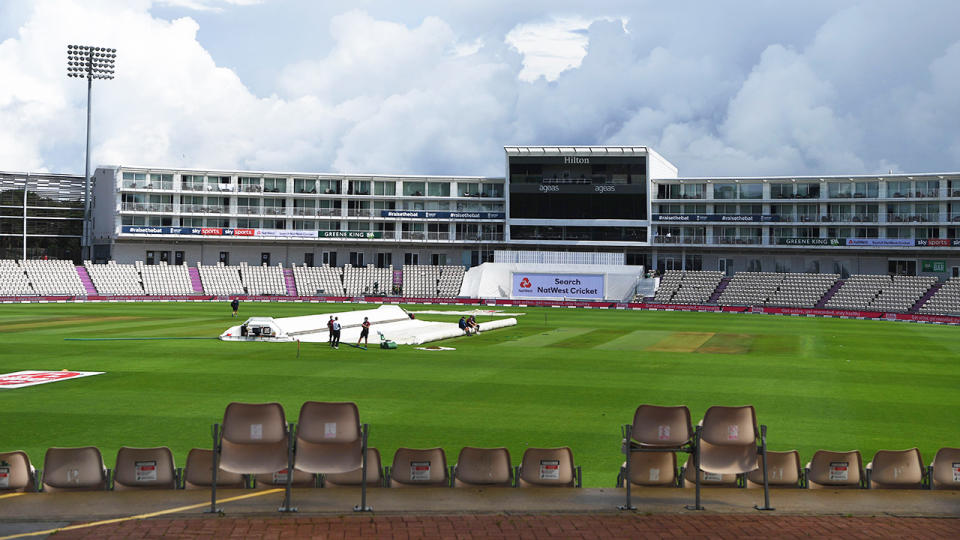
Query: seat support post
x,y
696,468
363,480
291,427
766,485
628,434
213,472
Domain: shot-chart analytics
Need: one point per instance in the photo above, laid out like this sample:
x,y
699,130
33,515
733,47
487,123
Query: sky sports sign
x,y
558,286
217,231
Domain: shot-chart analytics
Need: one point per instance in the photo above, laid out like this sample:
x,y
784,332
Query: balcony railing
x,y
251,188
250,210
304,211
913,218
364,212
274,211
147,207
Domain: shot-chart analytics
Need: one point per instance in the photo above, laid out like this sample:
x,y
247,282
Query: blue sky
x,y
439,87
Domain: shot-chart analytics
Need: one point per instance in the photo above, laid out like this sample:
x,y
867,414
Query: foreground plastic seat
x,y
487,467
707,479
74,469
651,443
198,471
352,478
783,471
418,467
330,440
144,468
16,472
896,469
835,470
254,439
944,471
730,442
548,467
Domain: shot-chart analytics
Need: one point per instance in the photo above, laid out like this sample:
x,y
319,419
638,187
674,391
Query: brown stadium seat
x,y
16,472
730,442
548,467
651,469
74,469
198,469
330,440
708,479
488,467
418,467
783,471
835,470
354,477
651,443
944,472
254,439
144,468
896,469
279,479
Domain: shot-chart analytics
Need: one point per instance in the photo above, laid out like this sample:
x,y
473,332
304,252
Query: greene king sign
x,y
557,285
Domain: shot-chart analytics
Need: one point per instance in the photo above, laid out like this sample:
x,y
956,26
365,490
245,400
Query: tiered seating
x,y
451,280
263,279
163,279
321,280
687,287
902,293
221,279
858,291
54,277
802,290
13,280
113,278
750,288
420,280
946,300
358,280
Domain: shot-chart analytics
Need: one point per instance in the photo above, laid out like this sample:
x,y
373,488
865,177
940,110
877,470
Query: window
x,y
928,188
385,188
781,191
839,190
411,258
192,182
491,190
753,265
247,223
866,232
898,189
356,258
358,226
927,212
899,232
384,260
191,222
330,187
808,190
275,224
220,223
751,209
927,232
131,220
328,225
724,191
358,187
751,191
250,184
438,189
725,209
438,259
160,181
274,207
304,207
866,190
304,185
468,189
305,225
275,185
248,205
414,189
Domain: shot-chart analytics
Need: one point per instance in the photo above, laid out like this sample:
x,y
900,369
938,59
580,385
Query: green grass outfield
x,y
560,377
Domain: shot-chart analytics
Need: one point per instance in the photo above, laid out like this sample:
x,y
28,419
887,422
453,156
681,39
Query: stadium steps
x,y
829,294
290,282
926,296
715,297
87,282
195,279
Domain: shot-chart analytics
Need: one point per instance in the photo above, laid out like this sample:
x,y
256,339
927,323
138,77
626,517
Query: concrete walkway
x,y
417,512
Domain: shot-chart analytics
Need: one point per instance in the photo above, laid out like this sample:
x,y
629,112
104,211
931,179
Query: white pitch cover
x,y
20,379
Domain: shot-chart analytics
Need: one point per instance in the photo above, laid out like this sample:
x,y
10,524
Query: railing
x,y
147,207
406,235
328,212
274,211
360,212
249,210
304,211
251,188
913,218
127,184
679,239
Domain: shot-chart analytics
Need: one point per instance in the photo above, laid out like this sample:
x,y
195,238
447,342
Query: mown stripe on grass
x,y
681,342
592,338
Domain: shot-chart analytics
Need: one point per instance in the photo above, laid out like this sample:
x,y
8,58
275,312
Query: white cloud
x,y
720,90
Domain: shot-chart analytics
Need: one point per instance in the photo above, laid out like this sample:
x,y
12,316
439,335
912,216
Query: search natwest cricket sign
x,y
19,379
557,285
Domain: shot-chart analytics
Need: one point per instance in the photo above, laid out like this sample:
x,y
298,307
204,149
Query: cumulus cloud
x,y
719,89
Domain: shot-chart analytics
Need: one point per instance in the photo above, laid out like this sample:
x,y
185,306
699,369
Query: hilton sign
x,y
573,160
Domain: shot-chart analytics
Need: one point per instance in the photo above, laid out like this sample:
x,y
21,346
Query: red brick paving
x,y
534,527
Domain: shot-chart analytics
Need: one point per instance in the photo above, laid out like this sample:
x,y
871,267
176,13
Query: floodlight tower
x,y
84,61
